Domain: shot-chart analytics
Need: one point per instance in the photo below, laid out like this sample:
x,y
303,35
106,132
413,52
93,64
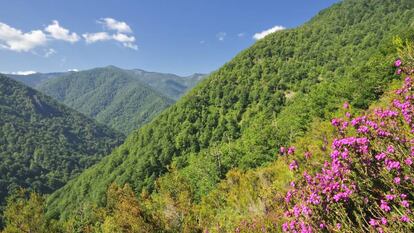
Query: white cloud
x,y
130,45
28,72
73,70
59,33
221,35
125,40
16,40
113,24
49,52
95,37
261,35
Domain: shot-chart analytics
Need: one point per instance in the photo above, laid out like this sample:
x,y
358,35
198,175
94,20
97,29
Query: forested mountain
x,y
171,85
121,99
267,96
110,95
43,144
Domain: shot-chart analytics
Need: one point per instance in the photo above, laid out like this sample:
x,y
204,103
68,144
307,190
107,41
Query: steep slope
x,y
43,144
36,79
267,96
110,95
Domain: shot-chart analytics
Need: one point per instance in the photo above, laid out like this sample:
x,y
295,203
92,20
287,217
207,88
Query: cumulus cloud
x,y
59,33
221,36
16,40
126,40
115,25
73,70
95,37
263,34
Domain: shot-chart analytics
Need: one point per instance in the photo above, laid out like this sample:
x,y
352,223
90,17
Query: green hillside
x,y
171,85
110,95
43,144
267,96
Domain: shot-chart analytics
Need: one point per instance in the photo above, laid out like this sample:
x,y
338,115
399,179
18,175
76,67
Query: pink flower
x,y
363,129
384,206
285,227
291,150
282,150
293,165
398,63
392,164
397,180
408,161
405,204
373,222
389,197
314,199
336,122
384,221
380,156
390,149
344,125
289,195
308,154
346,105
404,218
398,72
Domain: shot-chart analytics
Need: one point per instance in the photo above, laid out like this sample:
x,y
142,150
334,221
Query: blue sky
x,y
180,36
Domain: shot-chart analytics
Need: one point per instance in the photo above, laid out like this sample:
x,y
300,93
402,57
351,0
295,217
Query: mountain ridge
x,y
122,99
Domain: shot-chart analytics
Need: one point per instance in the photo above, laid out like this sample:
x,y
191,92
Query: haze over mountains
x,y
121,99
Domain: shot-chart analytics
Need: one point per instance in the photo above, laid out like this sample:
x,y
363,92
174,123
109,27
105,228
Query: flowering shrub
x,y
368,183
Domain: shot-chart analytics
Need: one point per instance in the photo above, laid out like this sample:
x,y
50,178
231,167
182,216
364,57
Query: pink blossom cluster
x,y
367,182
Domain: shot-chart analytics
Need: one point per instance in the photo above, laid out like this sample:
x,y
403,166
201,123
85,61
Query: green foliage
x,y
170,85
44,144
122,99
122,213
26,213
267,96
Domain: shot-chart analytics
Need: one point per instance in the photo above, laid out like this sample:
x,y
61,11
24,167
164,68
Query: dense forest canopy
x,y
267,96
122,99
43,144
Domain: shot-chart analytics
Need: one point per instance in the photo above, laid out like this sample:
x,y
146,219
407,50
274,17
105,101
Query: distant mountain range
x,y
121,99
34,80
